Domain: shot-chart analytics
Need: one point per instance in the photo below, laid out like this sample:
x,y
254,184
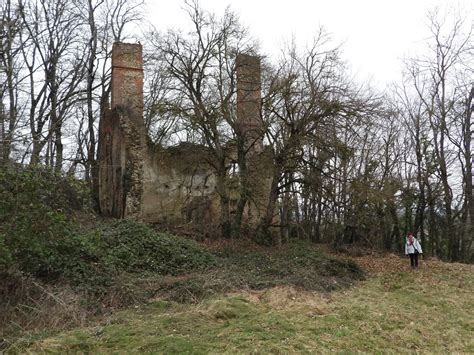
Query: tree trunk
x,y
225,225
244,186
469,157
267,218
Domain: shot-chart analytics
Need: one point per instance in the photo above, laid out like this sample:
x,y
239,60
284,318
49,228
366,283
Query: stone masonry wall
x,y
180,187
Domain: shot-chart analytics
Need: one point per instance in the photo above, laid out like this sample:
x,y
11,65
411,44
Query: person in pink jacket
x,y
413,249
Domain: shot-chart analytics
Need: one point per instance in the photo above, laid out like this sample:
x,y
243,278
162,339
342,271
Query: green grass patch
x,y
431,310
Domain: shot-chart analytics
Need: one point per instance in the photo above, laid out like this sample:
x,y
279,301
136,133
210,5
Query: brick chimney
x,y
249,100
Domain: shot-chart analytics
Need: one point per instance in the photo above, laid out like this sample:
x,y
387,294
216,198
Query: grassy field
x,y
393,310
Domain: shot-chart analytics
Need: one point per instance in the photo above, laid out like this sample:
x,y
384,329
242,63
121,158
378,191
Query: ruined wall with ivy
x,y
122,139
175,186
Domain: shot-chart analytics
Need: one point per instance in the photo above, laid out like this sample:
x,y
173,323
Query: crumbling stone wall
x,y
180,187
122,140
177,185
111,155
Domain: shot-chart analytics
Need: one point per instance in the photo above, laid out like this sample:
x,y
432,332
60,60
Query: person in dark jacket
x,y
413,249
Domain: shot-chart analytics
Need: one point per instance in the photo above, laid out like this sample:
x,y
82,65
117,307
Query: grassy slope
x,y
431,309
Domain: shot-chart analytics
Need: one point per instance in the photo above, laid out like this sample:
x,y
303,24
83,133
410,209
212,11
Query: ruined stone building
x,y
175,185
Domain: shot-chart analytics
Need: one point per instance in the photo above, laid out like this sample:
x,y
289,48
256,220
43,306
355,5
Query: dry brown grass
x,y
282,297
28,306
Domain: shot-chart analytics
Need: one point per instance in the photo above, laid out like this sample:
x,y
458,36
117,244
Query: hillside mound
x,y
62,265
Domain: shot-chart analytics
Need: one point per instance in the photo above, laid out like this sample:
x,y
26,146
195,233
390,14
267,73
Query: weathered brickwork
x,y
122,140
249,100
259,159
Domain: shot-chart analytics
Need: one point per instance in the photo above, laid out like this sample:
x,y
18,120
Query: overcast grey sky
x,y
376,34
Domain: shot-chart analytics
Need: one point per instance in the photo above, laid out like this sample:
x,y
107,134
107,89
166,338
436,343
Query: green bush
x,y
39,236
132,247
297,264
5,257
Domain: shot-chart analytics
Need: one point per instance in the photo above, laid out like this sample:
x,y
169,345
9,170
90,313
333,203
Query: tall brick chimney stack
x,y
251,125
249,100
122,139
127,78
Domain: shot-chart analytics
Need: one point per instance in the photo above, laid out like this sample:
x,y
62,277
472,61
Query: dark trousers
x,y
413,260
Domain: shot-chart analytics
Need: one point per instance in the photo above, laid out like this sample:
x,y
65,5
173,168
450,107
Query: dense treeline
x,y
351,165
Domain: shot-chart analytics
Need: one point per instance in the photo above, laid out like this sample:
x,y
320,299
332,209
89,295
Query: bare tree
x,y
53,56
202,67
10,27
439,97
105,21
307,103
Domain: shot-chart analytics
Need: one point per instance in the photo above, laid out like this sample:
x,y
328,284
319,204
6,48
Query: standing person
x,y
413,248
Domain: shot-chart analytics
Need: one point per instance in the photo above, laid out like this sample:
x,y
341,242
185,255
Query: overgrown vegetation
x,y
36,233
59,260
135,247
62,265
42,235
297,265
